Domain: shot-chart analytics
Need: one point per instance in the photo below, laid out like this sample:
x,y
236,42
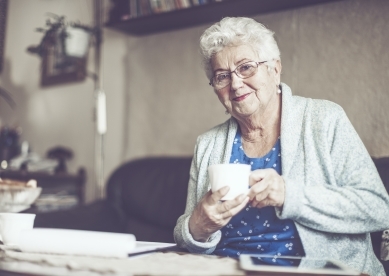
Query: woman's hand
x,y
267,188
211,214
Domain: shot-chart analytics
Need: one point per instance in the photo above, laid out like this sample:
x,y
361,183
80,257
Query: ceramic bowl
x,y
17,199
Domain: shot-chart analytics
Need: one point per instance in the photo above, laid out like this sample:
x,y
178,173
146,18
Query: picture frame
x,y
57,67
3,21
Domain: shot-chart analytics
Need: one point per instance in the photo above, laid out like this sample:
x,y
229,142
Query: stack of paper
x,y
77,242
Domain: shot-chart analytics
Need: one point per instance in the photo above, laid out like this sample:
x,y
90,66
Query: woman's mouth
x,y
241,98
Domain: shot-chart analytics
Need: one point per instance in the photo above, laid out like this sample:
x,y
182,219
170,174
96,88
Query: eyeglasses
x,y
243,71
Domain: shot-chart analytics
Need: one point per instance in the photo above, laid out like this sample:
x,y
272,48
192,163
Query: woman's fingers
x,y
257,189
261,199
258,175
230,204
211,214
267,188
215,197
235,207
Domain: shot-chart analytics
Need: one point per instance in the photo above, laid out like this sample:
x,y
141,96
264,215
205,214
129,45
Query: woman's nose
x,y
236,82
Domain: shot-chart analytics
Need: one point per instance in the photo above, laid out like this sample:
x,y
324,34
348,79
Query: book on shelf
x,y
169,5
156,5
178,4
147,7
186,3
129,9
133,8
144,8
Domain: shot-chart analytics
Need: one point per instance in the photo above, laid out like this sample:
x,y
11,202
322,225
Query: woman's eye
x,y
222,77
245,67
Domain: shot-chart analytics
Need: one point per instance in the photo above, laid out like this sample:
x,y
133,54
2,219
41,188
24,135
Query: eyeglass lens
x,y
243,71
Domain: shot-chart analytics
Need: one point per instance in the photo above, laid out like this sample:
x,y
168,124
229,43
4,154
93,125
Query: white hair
x,y
236,31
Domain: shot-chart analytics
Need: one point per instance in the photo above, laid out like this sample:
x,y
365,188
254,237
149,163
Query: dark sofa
x,y
145,197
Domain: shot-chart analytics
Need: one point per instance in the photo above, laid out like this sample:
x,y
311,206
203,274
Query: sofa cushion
x,y
139,187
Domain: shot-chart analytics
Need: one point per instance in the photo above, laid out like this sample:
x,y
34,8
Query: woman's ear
x,y
277,71
278,67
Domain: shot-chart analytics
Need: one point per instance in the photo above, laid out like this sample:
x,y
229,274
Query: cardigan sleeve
x,y
182,235
342,194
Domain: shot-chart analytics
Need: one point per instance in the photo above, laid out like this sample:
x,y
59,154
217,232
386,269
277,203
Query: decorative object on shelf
x,y
61,154
63,50
3,20
29,161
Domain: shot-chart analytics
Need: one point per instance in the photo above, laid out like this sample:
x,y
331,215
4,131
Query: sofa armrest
x,y
376,238
97,216
382,165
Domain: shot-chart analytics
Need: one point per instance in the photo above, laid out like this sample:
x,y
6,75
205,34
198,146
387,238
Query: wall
x,y
61,114
158,97
334,51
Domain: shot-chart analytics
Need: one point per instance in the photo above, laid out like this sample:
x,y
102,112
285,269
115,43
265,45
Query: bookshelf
x,y
202,14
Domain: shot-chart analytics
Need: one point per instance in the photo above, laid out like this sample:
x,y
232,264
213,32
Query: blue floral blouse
x,y
259,231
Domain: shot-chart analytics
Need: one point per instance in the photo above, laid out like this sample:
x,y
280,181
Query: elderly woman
x,y
314,190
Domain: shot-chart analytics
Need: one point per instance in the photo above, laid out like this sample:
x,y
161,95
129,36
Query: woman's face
x,y
250,96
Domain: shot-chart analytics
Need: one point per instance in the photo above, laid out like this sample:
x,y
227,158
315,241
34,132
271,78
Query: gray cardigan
x,y
333,191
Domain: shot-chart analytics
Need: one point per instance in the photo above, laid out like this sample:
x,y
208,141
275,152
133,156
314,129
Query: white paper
x,y
76,242
145,246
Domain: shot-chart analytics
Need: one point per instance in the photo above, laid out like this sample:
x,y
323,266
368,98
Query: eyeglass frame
x,y
234,71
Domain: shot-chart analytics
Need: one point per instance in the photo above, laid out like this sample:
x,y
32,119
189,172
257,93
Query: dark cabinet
x,y
59,190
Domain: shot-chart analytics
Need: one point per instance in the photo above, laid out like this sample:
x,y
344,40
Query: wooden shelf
x,y
212,12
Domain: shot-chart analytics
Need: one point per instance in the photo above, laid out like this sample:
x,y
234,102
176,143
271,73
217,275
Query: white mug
x,y
235,176
12,224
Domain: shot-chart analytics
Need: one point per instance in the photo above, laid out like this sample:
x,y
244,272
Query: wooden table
x,y
158,263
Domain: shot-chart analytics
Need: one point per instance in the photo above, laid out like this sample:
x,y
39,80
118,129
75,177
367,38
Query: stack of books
x,y
137,8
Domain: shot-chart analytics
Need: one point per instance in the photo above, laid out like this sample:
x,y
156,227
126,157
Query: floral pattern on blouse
x,y
259,231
